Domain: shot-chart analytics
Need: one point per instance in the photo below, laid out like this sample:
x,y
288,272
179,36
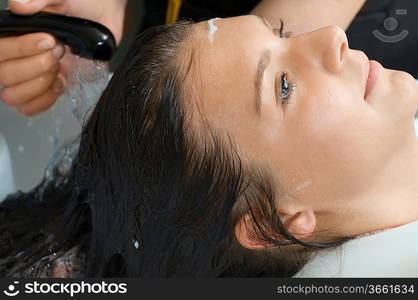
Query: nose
x,y
328,45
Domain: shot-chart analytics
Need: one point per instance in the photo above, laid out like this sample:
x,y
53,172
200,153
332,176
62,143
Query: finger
x,y
68,62
23,69
39,104
28,7
23,92
25,45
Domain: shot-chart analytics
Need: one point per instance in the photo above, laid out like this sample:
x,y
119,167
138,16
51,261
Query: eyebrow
x,y
263,63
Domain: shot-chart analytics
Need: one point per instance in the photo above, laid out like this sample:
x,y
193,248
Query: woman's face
x,y
299,104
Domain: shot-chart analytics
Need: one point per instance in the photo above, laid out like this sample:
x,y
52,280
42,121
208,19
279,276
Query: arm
x,y
110,13
301,16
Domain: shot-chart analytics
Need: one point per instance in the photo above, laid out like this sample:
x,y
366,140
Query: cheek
x,y
329,136
333,159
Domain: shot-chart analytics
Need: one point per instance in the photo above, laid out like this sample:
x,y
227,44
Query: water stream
x,y
39,144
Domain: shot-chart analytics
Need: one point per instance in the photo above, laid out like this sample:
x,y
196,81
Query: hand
x,y
34,67
30,72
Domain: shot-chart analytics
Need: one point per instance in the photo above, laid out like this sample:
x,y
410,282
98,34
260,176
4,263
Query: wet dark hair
x,y
148,196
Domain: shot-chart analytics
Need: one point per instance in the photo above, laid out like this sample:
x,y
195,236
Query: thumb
x,y
28,7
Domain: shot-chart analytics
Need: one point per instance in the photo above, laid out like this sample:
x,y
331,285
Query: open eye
x,y
285,88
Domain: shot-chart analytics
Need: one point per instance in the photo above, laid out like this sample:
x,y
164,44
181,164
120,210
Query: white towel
x,y
416,121
390,253
6,174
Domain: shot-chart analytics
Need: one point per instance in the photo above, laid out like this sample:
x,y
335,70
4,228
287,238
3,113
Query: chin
x,y
407,92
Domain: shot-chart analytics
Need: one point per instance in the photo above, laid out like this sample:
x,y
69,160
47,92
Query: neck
x,y
392,199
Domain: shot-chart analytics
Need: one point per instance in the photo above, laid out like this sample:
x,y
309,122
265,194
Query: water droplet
x,y
136,244
84,88
21,149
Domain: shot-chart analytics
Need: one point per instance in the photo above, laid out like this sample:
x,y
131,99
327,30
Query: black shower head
x,y
85,38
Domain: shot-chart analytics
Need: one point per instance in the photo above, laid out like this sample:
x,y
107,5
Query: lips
x,y
373,71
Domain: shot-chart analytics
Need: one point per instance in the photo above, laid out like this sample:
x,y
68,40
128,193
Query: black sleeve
x,y
155,11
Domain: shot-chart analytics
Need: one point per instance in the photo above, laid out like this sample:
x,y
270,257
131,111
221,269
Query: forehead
x,y
224,66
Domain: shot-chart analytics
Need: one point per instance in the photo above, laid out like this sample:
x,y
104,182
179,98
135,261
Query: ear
x,y
301,224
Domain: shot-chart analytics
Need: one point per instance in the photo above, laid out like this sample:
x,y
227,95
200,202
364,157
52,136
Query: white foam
x,y
304,185
212,29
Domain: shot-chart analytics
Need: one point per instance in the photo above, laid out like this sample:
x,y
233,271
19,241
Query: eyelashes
x,y
286,89
280,31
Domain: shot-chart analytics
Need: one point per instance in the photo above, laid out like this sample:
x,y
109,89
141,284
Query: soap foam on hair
x,y
212,28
